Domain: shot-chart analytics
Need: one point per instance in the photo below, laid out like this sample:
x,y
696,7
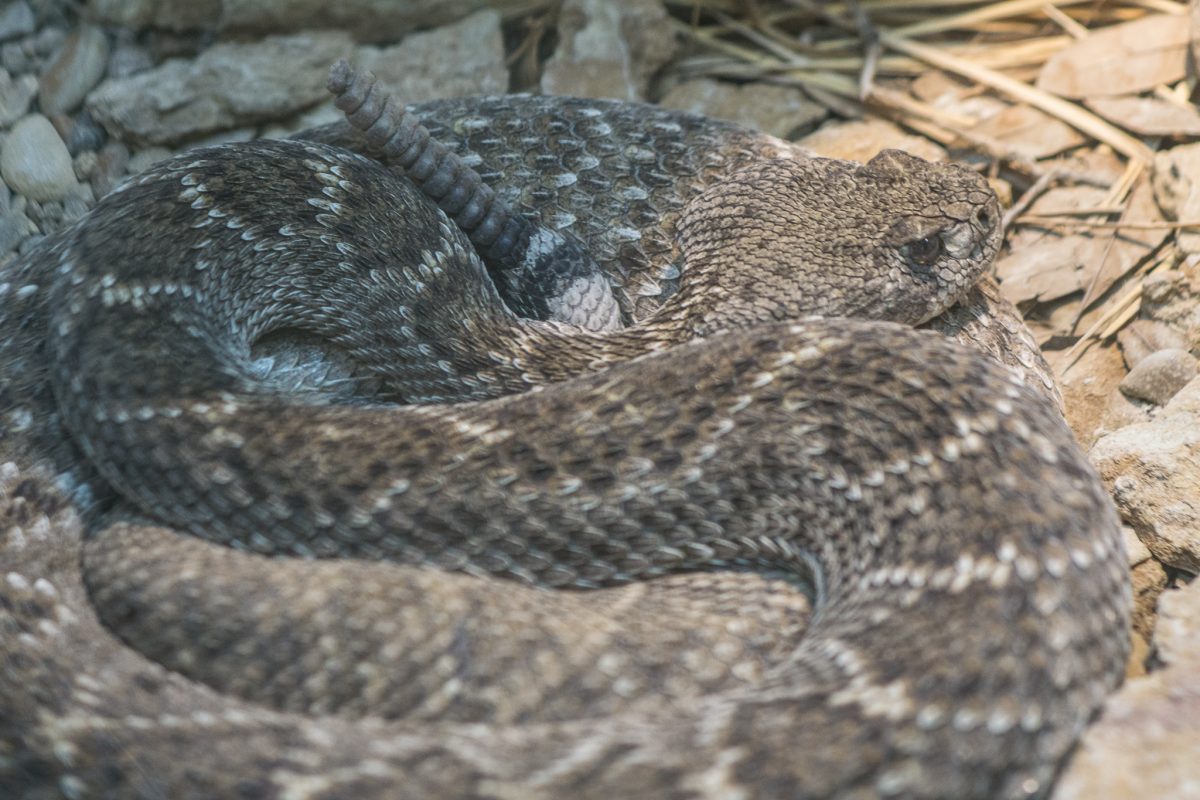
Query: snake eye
x,y
925,251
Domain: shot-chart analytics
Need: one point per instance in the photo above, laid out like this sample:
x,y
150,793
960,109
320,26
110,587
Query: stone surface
x,y
367,20
466,58
1158,376
78,67
859,140
14,227
1142,337
35,162
1177,189
1148,737
16,94
609,48
16,19
1173,297
111,162
1153,472
779,110
229,85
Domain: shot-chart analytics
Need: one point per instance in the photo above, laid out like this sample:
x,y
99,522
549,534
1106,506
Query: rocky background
x,y
1081,114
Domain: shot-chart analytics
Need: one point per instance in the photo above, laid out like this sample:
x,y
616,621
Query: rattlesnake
x,y
966,565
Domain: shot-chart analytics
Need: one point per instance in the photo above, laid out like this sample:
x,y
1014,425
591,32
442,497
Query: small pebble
x,y
14,59
142,160
85,134
35,162
79,66
14,227
1158,376
111,163
16,19
15,96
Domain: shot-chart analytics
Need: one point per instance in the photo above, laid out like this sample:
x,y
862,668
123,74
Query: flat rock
x,y
609,48
35,161
1146,740
230,85
778,110
465,58
1158,376
1152,471
78,67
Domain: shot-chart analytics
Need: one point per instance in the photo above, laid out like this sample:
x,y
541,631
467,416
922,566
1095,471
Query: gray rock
x,y
144,159
609,48
14,58
230,85
778,110
84,134
78,67
16,19
111,162
367,20
15,96
14,227
1186,399
1142,337
465,58
1153,472
1157,377
128,59
35,162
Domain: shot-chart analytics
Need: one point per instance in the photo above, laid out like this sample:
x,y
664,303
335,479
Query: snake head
x,y
898,239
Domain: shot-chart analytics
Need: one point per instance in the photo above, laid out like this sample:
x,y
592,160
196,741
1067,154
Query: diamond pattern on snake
x,y
539,447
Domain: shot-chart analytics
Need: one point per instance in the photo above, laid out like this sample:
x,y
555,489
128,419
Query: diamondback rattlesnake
x,y
204,337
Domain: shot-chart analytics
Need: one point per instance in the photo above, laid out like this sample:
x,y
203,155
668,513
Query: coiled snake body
x,y
224,342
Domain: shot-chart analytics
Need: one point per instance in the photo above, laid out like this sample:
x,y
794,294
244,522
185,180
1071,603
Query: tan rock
x,y
1153,472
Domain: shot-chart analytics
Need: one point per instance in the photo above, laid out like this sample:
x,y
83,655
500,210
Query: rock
x,y
1186,399
111,163
83,134
461,59
16,20
777,110
1142,337
144,159
609,48
14,227
1153,472
128,59
78,67
367,20
1158,376
1177,189
15,96
859,140
229,85
1146,740
35,162
1173,297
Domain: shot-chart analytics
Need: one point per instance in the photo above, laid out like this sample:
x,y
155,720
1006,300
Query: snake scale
x,y
803,556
